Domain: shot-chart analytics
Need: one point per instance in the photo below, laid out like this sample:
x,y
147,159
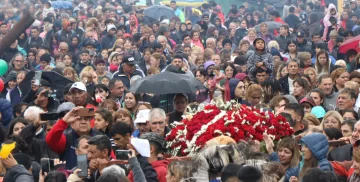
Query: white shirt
x,y
291,85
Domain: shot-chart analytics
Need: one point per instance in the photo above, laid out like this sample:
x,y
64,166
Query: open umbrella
x,y
270,24
158,11
167,83
56,82
61,4
353,43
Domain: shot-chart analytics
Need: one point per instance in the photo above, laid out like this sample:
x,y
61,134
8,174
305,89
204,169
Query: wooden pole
x,y
26,21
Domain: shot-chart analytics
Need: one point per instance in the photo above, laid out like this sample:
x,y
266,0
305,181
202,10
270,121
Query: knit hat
x,y
45,57
249,174
226,41
65,24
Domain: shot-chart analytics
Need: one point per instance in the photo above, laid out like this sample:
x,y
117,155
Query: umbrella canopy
x,y
56,82
167,83
158,11
271,25
61,4
353,43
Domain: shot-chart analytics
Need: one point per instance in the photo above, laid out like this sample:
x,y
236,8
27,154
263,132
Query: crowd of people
x,y
286,62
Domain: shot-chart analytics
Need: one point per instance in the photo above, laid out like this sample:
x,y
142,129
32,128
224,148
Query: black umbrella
x,y
55,81
167,83
158,11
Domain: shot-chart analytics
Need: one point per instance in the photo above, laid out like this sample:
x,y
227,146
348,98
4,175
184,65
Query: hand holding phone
x,y
123,154
82,165
45,165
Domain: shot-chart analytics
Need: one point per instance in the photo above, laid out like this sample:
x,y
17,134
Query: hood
x,y
259,38
233,82
160,163
313,18
318,145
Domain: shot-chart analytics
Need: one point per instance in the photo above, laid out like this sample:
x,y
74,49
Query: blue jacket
x,y
319,147
289,171
6,112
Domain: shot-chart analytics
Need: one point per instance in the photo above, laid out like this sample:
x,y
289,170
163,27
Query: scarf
x,y
113,68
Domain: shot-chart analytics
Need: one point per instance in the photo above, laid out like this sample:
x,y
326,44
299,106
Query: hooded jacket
x,y
282,41
319,146
18,173
161,167
327,23
126,78
233,82
6,112
256,57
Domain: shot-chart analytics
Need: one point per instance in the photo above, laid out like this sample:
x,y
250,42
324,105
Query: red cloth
x,y
279,20
160,167
227,96
55,139
92,122
136,23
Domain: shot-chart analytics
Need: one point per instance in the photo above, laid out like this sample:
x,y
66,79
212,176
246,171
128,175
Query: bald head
x,y
63,47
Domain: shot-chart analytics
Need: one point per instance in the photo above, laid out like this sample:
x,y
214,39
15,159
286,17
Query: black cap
x,y
129,60
157,45
136,37
225,41
45,57
300,34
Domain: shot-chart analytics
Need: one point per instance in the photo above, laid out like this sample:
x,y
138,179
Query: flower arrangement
x,y
231,119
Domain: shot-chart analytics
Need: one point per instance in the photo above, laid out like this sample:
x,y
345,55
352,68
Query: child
x,y
305,60
332,12
259,58
333,26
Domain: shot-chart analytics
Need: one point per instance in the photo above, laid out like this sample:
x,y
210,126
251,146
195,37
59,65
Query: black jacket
x,y
292,20
80,66
148,170
18,173
284,82
107,40
39,148
239,35
126,78
343,153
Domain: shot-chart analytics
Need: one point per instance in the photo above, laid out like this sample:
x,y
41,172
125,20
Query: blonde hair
x,y
309,69
336,74
341,62
278,72
303,56
272,44
311,119
153,70
70,69
252,89
334,114
48,68
87,72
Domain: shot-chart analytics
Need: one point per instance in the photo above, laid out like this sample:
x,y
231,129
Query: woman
x,y
237,91
114,62
291,50
254,94
110,105
349,114
282,71
71,74
93,26
244,47
271,88
145,62
312,74
130,102
278,102
123,115
332,119
180,104
67,60
201,95
251,36
196,40
339,76
347,127
311,120
89,78
314,149
230,70
301,88
317,96
322,64
74,44
287,153
16,126
103,121
101,93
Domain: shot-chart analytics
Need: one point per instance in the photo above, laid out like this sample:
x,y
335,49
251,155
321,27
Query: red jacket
x,y
160,167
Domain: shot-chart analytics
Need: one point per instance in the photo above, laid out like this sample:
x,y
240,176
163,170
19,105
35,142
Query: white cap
x,y
110,26
78,85
142,116
165,21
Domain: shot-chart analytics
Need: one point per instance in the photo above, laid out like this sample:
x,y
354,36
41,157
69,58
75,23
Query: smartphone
x,y
122,154
49,116
37,77
83,165
45,165
87,112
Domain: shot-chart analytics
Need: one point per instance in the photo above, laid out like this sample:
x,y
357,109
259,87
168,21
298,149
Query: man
x,y
98,153
63,47
13,50
42,99
265,34
34,38
261,75
109,37
187,50
18,63
325,83
62,142
303,14
127,70
177,11
284,37
142,123
216,59
83,62
346,99
66,33
157,147
297,115
3,29
354,8
292,19
116,88
177,61
286,82
227,44
186,40
89,38
157,121
121,134
82,145
354,86
211,43
302,44
344,153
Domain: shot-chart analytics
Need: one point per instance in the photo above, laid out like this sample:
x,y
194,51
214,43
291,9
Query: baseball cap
x,y
142,116
308,100
300,34
65,107
129,60
110,26
78,85
318,111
